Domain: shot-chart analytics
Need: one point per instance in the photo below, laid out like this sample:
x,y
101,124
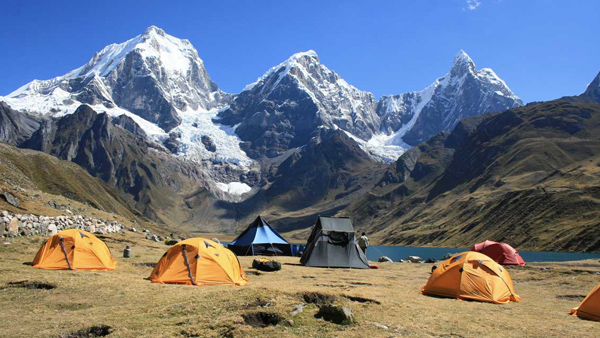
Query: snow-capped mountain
x,y
152,75
411,118
156,86
282,108
157,80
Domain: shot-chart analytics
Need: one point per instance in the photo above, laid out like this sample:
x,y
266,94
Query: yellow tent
x,y
473,276
590,307
198,261
76,250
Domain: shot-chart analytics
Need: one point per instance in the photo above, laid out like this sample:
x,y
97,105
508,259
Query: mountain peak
x,y
154,30
300,58
462,62
309,56
593,89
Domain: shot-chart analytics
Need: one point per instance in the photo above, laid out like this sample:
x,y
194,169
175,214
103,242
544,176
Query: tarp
x,y
501,253
198,261
590,306
473,276
75,250
332,243
260,239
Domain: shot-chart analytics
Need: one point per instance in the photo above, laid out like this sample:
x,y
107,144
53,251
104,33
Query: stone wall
x,y
12,225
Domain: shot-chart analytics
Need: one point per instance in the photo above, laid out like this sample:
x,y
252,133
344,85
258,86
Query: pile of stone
x,y
152,237
12,225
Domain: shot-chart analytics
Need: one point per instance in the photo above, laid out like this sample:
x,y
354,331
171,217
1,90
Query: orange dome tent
x,y
473,276
590,307
198,261
501,253
75,250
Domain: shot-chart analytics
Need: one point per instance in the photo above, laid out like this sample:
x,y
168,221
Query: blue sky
x,y
542,49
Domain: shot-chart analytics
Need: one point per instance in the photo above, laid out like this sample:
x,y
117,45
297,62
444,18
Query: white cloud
x,y
473,4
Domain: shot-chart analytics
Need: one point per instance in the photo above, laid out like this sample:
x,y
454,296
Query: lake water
x,y
401,252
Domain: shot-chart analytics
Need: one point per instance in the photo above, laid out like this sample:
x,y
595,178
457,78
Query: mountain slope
x,y
143,172
321,178
282,108
16,127
27,170
528,176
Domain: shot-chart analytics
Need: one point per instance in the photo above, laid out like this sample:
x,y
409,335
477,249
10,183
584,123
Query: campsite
x,y
350,169
386,302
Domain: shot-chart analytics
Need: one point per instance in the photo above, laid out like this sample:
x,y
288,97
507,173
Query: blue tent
x,y
260,239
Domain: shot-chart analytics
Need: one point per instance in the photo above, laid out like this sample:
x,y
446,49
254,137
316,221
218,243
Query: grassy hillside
x,y
46,185
528,176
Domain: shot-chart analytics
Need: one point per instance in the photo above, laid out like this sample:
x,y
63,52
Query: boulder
x,y
447,256
385,259
336,314
10,199
414,259
52,229
297,309
43,228
13,227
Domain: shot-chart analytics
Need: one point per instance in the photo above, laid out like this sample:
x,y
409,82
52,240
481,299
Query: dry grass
x,y
135,307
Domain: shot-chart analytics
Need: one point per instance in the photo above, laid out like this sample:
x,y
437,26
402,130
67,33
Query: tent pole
x,y
62,245
187,263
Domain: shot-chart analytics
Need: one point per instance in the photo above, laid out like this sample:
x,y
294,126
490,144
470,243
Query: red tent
x,y
502,253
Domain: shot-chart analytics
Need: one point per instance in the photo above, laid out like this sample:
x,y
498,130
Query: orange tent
x,y
501,253
590,307
198,261
75,250
473,276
